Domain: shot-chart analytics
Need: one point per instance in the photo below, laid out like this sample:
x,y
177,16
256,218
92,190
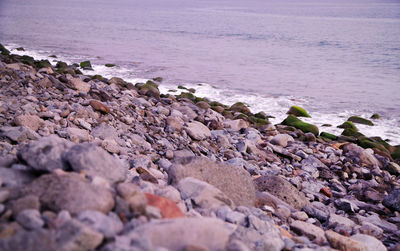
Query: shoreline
x,y
106,164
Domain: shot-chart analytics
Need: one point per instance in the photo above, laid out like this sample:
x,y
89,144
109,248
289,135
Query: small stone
x,y
344,243
30,219
23,203
18,134
282,140
110,145
299,215
79,85
392,200
109,225
313,232
346,205
31,121
99,106
326,191
169,154
167,207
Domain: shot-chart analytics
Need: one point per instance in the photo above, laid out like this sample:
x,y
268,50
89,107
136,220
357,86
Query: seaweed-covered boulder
x,y
352,133
330,136
348,125
44,63
4,51
375,116
396,152
359,120
303,126
149,89
240,107
298,112
86,65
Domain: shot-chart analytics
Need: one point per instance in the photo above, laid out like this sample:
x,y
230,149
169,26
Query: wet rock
x,y
197,130
313,232
30,219
17,134
168,208
45,153
172,234
235,182
344,243
392,200
94,161
282,140
202,194
69,192
31,121
282,189
372,243
108,225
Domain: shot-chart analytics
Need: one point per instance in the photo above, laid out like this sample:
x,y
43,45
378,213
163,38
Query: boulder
x,y
392,200
86,65
94,161
298,112
359,120
282,189
282,140
348,125
78,84
233,181
297,123
197,130
240,107
365,156
71,192
45,153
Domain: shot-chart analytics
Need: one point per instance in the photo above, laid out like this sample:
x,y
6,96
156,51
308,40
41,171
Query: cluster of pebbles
x,y
95,164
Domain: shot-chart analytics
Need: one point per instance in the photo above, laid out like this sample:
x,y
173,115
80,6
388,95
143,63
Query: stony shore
x,y
88,163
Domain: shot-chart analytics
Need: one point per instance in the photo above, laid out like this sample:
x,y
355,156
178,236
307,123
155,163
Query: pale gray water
x,y
333,56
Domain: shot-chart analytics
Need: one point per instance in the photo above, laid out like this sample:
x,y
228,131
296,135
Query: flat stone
x,y
371,242
344,243
313,232
282,189
94,161
18,134
30,219
45,153
233,181
202,194
197,130
31,121
108,225
173,234
70,192
335,220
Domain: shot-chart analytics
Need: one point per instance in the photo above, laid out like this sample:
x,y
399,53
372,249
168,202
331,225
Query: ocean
x,y
335,58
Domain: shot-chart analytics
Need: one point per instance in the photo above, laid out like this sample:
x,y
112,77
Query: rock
x,y
233,181
366,157
348,125
202,194
316,213
25,203
374,219
138,140
77,135
94,161
371,229
173,234
330,136
344,243
69,192
311,164
39,240
168,208
281,140
86,65
326,191
393,168
240,107
4,195
359,120
235,125
108,225
74,235
297,123
392,200
15,178
299,215
31,121
79,85
110,145
99,106
282,189
18,134
174,123
313,232
30,219
45,153
197,130
135,199
346,205
371,242
298,112
104,131
335,220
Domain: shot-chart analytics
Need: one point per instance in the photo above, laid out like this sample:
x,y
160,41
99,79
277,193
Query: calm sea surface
x,y
335,58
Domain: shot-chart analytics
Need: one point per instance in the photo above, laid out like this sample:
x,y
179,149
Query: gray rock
x,y
313,232
392,200
335,220
76,134
129,242
39,240
15,178
173,234
235,125
233,181
18,134
374,219
138,140
45,153
197,130
235,217
202,194
74,235
346,205
243,164
282,189
311,164
104,131
109,225
70,192
110,145
30,219
365,156
282,139
94,161
371,242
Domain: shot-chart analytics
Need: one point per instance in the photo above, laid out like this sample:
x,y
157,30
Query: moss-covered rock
x,y
359,120
97,77
375,116
42,63
218,109
86,65
158,79
298,112
61,64
20,49
109,65
261,115
328,136
241,116
187,95
27,60
381,141
303,126
192,90
368,143
352,133
240,107
149,89
348,125
227,114
215,103
396,152
182,87
4,51
258,121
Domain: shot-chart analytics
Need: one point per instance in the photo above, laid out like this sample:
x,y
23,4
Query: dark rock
x,y
360,120
392,200
298,112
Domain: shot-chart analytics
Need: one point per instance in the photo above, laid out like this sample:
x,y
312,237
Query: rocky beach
x,y
89,163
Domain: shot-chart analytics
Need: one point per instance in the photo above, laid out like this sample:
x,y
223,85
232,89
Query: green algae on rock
x,y
86,65
298,112
240,107
109,65
375,116
149,89
359,120
4,51
303,126
348,125
352,133
328,136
